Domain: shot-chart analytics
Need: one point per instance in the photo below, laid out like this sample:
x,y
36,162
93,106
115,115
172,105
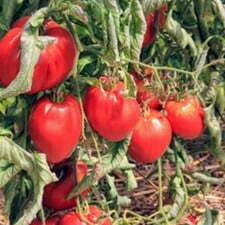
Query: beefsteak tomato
x,y
55,61
55,194
151,137
110,113
55,128
186,117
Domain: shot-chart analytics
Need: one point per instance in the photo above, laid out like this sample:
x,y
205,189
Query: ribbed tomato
x,y
55,193
151,137
110,113
186,117
55,61
55,128
51,221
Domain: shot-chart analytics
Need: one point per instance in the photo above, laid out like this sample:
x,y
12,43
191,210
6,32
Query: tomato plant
x,y
76,124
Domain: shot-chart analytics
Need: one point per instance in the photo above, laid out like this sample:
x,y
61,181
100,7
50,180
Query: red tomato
x,y
51,221
151,137
110,113
55,193
94,214
186,117
71,218
151,20
55,62
55,128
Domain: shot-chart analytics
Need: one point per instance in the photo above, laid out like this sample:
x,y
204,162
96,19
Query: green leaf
x,y
115,159
207,179
129,84
220,97
92,81
112,56
151,5
213,125
177,153
79,13
123,201
40,176
36,166
7,13
180,35
137,29
6,103
131,180
211,217
83,61
7,172
180,198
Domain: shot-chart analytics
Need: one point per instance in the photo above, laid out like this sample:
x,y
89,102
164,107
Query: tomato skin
x,y
94,214
151,19
186,117
55,61
151,137
51,221
55,193
71,218
55,128
111,114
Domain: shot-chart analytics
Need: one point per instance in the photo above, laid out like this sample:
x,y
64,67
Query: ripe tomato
x,y
151,137
151,20
110,113
186,117
94,215
51,221
55,128
55,193
71,218
144,95
55,61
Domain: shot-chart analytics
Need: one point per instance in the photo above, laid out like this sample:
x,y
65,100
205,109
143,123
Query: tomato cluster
x,y
152,135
